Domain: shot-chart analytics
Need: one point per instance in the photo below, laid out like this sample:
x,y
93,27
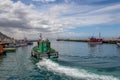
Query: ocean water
x,y
77,61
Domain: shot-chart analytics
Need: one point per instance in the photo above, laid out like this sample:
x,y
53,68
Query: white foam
x,y
80,74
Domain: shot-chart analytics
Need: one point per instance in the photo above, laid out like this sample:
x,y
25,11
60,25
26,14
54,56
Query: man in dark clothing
x,y
48,53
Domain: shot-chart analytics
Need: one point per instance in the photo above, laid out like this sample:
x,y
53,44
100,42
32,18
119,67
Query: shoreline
x,y
105,40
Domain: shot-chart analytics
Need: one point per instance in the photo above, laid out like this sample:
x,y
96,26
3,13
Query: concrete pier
x,y
105,40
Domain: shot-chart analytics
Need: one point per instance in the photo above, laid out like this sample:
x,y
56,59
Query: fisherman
x,y
47,40
48,53
38,42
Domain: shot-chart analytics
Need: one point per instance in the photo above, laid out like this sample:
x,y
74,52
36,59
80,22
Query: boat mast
x,y
41,36
99,35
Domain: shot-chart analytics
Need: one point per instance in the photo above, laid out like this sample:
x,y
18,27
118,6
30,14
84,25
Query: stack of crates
x,y
44,47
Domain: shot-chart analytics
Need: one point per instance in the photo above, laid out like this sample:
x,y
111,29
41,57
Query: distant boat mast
x,y
99,35
41,36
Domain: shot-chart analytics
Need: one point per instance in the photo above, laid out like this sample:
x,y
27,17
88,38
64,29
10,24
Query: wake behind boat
x,y
44,50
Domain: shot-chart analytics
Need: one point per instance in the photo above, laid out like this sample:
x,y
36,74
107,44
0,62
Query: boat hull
x,y
39,56
9,49
118,44
30,43
95,42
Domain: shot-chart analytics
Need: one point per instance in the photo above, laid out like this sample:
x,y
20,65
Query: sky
x,y
60,18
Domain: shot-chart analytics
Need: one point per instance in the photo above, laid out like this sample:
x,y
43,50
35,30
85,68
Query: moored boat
x,y
23,44
11,45
9,49
118,44
44,50
94,40
29,43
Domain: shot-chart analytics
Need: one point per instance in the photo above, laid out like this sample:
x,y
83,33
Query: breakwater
x,y
105,40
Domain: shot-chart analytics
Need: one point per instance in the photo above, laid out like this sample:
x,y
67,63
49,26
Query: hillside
x,y
3,36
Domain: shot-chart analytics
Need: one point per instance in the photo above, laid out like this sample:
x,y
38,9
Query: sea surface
x,y
77,61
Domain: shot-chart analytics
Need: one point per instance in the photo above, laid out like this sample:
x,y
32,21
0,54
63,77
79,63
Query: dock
x,y
105,40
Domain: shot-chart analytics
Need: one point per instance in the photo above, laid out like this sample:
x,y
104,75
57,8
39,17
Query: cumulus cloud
x,y
18,18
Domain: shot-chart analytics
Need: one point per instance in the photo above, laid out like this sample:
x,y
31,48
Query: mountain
x,y
3,36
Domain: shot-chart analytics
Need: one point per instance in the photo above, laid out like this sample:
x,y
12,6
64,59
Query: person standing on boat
x,y
48,47
38,42
48,53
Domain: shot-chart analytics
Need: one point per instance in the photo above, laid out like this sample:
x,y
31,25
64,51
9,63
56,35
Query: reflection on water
x,y
92,45
1,58
118,49
98,56
94,49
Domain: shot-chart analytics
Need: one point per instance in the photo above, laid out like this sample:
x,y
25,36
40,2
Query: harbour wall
x,y
105,40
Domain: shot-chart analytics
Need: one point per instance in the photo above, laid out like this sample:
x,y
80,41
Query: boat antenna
x,y
99,35
41,36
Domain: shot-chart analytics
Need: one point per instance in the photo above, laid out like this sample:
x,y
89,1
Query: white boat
x,y
23,44
118,44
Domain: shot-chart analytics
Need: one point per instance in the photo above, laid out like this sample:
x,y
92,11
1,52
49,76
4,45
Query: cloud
x,y
86,2
20,17
16,17
44,1
107,9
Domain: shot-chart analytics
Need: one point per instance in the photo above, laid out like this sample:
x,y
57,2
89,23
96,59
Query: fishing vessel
x,y
43,50
94,40
5,47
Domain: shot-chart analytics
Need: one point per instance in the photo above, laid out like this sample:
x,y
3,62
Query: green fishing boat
x,y
44,50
